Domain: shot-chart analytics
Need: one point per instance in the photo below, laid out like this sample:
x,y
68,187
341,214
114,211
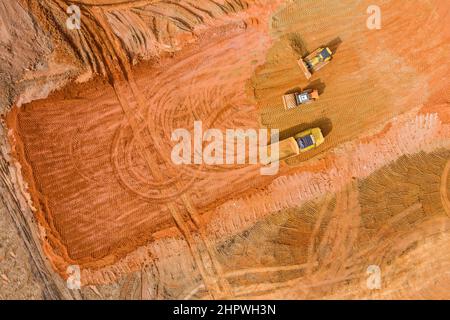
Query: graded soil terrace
x,y
375,75
93,193
322,249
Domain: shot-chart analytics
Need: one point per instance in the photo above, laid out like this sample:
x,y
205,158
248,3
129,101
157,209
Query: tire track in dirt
x,y
108,50
128,287
318,224
378,242
186,214
243,272
123,85
335,248
394,231
327,264
111,57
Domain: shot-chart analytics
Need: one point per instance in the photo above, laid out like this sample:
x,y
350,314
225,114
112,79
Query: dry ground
x,y
95,156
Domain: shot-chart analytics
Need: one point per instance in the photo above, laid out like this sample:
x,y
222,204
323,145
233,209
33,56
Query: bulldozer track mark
x,y
320,217
378,243
293,286
215,288
106,46
109,53
75,152
128,287
211,250
335,249
148,113
152,185
243,272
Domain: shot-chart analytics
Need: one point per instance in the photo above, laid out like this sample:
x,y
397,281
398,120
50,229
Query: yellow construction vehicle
x,y
301,142
315,61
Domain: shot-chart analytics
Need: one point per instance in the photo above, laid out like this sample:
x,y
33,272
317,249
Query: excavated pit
x,y
108,198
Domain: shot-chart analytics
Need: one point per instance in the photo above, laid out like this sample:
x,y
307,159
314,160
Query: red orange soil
x,y
85,121
102,207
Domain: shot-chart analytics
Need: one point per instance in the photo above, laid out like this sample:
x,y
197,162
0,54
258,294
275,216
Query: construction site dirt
x,y
94,156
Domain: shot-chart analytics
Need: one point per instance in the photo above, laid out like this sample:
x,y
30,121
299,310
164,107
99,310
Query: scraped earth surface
x,y
93,158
